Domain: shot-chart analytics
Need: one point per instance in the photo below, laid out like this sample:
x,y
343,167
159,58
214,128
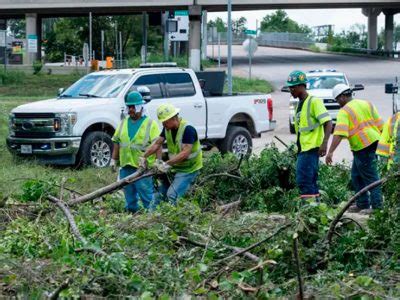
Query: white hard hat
x,y
145,92
339,89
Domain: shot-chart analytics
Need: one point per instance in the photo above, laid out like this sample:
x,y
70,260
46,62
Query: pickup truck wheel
x,y
238,141
96,150
291,128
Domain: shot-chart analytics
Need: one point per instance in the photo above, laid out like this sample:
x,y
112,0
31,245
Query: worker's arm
x,y
156,147
335,143
324,145
115,153
182,156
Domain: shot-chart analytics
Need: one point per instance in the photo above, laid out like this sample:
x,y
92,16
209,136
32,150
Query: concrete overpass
x,y
34,10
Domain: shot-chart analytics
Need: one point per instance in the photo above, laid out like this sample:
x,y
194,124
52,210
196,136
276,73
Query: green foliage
x,y
280,22
148,258
37,67
11,77
315,48
34,190
217,23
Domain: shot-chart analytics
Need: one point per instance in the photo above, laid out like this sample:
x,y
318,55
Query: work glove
x,y
162,166
114,165
142,162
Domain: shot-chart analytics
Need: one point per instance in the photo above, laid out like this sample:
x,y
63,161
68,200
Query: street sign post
x,y
250,47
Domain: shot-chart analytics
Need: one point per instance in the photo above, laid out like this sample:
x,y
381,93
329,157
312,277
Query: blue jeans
x,y
364,171
177,189
307,173
142,188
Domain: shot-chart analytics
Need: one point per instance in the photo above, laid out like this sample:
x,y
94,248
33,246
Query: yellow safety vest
x,y
309,124
130,150
195,159
360,123
389,139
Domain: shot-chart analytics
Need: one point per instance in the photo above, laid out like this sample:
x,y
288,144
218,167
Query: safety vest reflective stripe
x,y
342,127
392,124
140,147
357,128
324,115
383,149
310,124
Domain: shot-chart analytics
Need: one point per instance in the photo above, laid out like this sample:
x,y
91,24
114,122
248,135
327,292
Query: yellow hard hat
x,y
166,112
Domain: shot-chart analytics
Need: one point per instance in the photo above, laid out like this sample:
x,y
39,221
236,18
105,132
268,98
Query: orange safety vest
x,y
360,122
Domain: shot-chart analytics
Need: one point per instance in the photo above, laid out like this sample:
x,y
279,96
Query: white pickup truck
x,y
77,126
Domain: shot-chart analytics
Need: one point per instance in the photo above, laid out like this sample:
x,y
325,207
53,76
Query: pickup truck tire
x,y
96,150
237,140
291,128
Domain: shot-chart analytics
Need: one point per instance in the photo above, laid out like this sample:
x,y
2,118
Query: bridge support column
x,y
3,49
204,35
194,37
32,50
389,28
372,14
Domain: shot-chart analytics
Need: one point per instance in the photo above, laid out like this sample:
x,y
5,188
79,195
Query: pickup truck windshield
x,y
97,86
324,82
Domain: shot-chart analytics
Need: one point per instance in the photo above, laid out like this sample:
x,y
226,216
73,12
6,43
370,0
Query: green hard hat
x,y
134,98
296,78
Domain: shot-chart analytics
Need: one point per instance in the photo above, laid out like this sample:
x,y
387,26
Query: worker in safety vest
x,y
313,127
389,143
184,151
359,122
133,135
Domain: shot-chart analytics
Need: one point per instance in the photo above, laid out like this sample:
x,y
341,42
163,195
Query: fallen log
x,y
139,174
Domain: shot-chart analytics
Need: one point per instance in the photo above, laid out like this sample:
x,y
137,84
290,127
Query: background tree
x,y
239,25
218,23
17,28
280,22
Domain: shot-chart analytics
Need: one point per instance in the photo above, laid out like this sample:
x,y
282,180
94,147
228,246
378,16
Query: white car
x,y
320,84
78,125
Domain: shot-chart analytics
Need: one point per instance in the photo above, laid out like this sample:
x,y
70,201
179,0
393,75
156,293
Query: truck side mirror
x,y
285,89
391,88
358,87
60,91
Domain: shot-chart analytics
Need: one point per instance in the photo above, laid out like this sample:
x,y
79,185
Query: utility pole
x,y
144,40
90,37
102,45
229,47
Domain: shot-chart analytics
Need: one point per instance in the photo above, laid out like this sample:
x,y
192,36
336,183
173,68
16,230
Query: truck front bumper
x,y
44,147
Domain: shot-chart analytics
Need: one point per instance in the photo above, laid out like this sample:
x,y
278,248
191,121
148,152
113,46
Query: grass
x,y
39,86
244,85
14,171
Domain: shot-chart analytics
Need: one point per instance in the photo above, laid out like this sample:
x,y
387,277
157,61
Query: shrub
x,y
37,67
11,77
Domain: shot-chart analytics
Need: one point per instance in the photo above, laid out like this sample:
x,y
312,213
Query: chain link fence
x,y
273,39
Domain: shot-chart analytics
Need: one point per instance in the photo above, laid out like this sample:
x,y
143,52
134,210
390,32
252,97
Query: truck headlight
x,y
64,123
11,124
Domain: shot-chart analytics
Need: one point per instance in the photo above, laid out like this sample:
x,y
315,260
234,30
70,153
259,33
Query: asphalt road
x,y
275,64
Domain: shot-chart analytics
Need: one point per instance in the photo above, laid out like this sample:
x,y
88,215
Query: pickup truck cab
x,y
320,84
77,126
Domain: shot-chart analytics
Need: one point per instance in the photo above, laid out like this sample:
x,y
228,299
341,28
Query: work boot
x,y
366,211
354,209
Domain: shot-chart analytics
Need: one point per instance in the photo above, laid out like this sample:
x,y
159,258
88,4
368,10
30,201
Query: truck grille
x,y
34,125
331,104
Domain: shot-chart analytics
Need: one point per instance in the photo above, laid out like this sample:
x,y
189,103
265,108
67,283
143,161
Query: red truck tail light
x,y
270,109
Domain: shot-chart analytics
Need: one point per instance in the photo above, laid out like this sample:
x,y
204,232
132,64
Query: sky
x,y
342,19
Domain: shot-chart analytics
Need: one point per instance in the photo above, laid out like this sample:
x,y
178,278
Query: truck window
x,y
179,85
153,82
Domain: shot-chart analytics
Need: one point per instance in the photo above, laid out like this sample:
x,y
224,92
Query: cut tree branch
x,y
332,227
139,174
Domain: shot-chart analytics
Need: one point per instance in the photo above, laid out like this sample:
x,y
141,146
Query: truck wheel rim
x,y
240,145
100,154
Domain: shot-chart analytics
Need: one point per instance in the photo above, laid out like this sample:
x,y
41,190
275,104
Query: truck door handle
x,y
198,105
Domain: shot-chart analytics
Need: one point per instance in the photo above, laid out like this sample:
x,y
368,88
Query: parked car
x,y
77,126
320,84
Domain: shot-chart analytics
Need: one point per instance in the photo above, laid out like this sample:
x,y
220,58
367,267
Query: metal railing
x,y
274,39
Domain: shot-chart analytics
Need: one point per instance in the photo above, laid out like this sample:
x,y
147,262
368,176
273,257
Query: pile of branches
x,y
242,232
